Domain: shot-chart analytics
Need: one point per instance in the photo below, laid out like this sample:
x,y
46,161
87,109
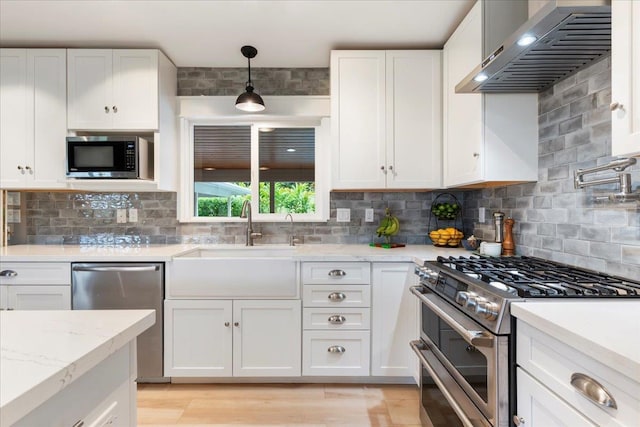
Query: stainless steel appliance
x,y
110,286
467,345
563,37
117,157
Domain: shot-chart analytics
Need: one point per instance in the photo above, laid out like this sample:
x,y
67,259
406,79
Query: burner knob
x,y
487,309
471,302
462,297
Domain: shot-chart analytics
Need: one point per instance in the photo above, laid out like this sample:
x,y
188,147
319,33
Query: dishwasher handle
x,y
118,268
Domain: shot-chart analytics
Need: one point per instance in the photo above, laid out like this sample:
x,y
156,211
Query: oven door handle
x,y
447,390
473,337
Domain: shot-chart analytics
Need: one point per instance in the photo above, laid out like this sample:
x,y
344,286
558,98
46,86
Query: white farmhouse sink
x,y
234,272
241,251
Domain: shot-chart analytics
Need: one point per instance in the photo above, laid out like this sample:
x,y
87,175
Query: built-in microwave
x,y
109,157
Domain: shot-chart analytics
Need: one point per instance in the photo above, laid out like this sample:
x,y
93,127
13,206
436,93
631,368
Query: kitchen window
x,y
278,163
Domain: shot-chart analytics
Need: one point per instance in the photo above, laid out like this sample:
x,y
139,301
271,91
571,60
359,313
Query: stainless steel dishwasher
x,y
110,286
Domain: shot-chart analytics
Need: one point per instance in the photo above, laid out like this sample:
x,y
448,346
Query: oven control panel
x,y
472,298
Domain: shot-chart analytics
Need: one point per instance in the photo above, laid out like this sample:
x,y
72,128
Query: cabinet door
x,y
539,407
198,338
47,74
414,118
463,143
358,119
3,298
625,81
135,89
39,297
90,101
15,119
394,320
267,338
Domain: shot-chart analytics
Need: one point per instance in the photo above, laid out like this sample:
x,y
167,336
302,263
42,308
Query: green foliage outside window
x,y
290,197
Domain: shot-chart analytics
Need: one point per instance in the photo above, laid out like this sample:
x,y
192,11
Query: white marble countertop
x,y
159,253
608,331
42,352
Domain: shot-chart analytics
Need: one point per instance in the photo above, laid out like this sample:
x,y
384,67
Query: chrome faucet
x,y
292,239
246,213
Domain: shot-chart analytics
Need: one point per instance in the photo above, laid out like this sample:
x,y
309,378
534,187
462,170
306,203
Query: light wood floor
x,y
317,405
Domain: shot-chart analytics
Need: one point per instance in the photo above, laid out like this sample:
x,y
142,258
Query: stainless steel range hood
x,y
569,34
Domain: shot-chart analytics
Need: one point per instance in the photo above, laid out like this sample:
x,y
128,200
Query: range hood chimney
x,y
565,36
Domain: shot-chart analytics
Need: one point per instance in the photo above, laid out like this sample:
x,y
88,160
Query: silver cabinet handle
x,y
616,106
79,424
337,319
236,323
593,390
390,167
8,273
336,349
106,109
476,155
28,168
226,324
337,296
337,273
518,420
115,109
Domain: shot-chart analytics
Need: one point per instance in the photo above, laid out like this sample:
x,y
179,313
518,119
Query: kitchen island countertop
x,y
605,330
43,352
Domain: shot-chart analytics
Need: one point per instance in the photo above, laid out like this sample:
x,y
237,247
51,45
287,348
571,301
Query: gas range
x,y
467,341
483,286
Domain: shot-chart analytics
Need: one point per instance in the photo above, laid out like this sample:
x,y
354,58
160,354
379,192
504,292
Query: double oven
x,y
467,341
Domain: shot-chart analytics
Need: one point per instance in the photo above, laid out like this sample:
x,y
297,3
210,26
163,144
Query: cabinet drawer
x,y
336,296
330,273
339,319
553,362
36,273
336,353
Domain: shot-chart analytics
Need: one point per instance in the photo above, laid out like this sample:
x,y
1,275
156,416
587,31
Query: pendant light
x,y
249,101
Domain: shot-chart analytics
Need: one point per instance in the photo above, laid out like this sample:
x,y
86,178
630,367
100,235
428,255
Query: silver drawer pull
x,y
337,296
337,319
336,349
8,273
337,273
593,390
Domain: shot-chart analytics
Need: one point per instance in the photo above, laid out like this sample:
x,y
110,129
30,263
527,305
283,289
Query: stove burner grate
x,y
538,278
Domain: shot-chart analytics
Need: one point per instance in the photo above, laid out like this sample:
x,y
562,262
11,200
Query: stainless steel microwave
x,y
109,157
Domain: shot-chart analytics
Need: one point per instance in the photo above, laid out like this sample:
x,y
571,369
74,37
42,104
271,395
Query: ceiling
x,y
209,33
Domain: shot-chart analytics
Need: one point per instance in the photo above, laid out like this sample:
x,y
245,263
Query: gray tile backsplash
x,y
90,218
553,220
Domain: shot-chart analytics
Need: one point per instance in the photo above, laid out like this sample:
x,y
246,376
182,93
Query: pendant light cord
x,y
249,83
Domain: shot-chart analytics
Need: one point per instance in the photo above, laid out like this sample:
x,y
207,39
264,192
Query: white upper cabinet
x,y
625,78
32,118
488,138
113,89
386,115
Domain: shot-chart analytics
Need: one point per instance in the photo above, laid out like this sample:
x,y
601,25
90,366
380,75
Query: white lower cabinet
x,y
224,338
337,304
103,396
394,320
538,406
550,374
35,286
331,353
38,297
